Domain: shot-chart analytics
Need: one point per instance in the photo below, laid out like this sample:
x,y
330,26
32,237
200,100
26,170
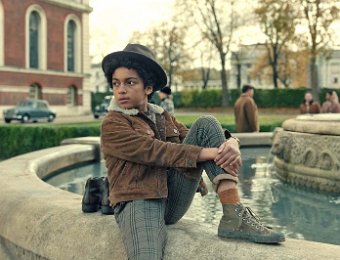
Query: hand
x,y
229,157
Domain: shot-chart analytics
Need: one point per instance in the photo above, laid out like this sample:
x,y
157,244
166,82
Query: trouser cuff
x,y
223,176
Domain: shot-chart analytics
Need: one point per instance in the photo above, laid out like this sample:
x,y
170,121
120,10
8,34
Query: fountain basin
x,y
39,221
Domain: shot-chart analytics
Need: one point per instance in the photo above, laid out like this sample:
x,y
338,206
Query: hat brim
x,y
161,78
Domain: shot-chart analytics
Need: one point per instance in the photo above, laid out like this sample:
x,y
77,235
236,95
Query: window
x,y
2,22
35,92
72,44
72,96
34,33
36,50
335,80
71,28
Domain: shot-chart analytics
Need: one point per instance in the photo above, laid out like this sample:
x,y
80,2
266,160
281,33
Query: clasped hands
x,y
229,157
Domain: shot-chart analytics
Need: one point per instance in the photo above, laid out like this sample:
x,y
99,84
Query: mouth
x,y
123,100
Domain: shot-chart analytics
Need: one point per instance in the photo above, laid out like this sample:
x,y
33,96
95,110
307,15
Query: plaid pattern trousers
x,y
142,223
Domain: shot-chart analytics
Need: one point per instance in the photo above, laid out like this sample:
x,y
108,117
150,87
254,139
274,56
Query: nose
x,y
121,88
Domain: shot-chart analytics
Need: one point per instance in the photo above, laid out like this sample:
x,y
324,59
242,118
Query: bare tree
x,y
277,19
318,16
216,21
167,42
218,27
205,59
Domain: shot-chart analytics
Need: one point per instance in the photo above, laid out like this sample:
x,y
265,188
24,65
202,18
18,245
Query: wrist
x,y
228,136
207,154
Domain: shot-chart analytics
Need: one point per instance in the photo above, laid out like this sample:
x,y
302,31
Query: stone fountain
x,y
307,152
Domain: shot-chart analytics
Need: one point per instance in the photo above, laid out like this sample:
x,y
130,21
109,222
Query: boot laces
x,y
251,218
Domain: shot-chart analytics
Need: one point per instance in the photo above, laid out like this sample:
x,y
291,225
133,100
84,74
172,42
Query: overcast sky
x,y
112,22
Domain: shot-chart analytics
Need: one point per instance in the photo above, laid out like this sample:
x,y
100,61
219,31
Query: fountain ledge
x,y
39,221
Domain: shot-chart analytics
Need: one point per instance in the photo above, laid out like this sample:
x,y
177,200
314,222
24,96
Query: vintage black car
x,y
30,110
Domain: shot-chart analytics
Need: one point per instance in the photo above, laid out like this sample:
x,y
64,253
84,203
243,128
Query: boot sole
x,y
106,210
89,208
253,238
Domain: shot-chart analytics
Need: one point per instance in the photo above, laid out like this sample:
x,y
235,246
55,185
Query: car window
x,y
25,103
42,105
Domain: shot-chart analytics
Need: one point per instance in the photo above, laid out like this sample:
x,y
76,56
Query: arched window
x,y
34,35
71,41
2,36
72,96
35,92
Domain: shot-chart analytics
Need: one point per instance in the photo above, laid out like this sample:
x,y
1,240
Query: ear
x,y
148,90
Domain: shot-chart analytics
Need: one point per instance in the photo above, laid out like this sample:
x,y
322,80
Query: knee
x,y
207,120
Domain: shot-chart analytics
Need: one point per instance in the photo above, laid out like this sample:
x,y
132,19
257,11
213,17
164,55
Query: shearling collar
x,y
133,111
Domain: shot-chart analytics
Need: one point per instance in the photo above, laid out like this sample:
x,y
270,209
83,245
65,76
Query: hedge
x,y
264,98
16,140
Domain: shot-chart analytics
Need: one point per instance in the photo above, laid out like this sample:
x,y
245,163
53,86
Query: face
x,y
308,97
161,95
251,92
128,89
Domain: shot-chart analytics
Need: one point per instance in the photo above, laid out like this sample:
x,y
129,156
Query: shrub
x,y
16,140
263,97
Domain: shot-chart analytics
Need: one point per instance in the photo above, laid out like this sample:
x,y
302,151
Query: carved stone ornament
x,y
306,156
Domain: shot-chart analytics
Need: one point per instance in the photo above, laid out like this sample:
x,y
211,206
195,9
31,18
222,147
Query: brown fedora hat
x,y
142,54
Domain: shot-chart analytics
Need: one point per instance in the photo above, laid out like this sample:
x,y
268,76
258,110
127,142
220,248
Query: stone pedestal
x,y
307,151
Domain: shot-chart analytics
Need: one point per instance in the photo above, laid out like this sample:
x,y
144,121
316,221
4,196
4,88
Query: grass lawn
x,y
266,116
225,116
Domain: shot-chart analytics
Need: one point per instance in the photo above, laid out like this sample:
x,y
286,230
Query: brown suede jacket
x,y
138,152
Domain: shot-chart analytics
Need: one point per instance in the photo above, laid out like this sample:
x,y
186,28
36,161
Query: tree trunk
x,y
274,67
238,76
275,76
225,90
313,75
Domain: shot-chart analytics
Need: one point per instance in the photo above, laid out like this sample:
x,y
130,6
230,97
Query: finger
x,y
221,148
229,167
236,162
224,162
227,159
232,172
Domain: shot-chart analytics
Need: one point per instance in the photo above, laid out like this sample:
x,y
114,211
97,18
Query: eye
x,y
115,84
131,82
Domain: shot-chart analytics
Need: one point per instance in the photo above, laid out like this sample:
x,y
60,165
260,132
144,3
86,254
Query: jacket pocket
x,y
172,135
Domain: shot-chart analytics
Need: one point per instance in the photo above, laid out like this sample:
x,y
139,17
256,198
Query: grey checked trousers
x,y
142,223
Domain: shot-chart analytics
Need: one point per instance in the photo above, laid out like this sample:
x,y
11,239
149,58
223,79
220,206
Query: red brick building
x,y
44,53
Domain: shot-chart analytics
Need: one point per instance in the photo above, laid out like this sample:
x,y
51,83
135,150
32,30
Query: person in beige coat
x,y
245,110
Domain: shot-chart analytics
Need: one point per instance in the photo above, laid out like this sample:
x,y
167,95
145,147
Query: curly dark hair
x,y
147,76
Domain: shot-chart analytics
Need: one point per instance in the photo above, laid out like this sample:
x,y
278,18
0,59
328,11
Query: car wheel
x,y
96,116
7,120
25,119
50,118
